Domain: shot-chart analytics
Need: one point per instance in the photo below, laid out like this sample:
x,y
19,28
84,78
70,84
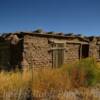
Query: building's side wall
x,y
98,52
72,52
36,51
93,48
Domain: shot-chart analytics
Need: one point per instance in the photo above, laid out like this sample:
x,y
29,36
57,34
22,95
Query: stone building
x,y
41,49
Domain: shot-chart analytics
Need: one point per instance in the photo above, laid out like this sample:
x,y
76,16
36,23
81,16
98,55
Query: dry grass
x,y
61,84
12,86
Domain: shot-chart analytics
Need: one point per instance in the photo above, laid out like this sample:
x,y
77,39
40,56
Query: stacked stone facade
x,y
42,49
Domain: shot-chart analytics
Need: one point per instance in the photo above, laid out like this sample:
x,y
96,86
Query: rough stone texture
x,y
97,52
72,52
93,48
35,49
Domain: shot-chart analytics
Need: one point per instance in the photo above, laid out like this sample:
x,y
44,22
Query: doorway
x,y
58,55
4,55
85,51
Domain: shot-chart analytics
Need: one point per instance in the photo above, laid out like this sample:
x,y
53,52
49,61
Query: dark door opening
x,y
85,51
4,55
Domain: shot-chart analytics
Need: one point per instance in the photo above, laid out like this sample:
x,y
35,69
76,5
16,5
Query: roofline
x,y
52,35
45,34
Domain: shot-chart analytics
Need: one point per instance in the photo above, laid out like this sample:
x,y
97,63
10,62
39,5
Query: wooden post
x,y
80,51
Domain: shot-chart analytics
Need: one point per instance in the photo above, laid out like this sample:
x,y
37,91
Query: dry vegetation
x,y
77,81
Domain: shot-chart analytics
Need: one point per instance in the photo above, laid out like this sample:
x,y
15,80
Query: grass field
x,y
77,81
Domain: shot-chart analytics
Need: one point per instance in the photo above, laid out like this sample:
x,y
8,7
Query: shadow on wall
x,y
16,55
11,52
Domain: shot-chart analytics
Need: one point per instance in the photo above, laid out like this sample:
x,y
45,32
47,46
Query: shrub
x,y
83,73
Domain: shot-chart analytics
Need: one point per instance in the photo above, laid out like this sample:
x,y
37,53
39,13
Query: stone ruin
x,y
45,49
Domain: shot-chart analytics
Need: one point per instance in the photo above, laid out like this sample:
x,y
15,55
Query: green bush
x,y
83,73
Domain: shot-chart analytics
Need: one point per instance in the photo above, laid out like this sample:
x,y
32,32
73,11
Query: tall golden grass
x,y
70,82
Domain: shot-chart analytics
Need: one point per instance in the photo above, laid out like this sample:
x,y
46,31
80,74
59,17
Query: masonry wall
x,y
36,52
98,51
93,48
72,52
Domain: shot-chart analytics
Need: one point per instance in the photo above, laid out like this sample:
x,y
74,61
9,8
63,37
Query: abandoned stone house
x,y
41,49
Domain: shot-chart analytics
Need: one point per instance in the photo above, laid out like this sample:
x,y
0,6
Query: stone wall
x,y
93,48
72,52
97,52
36,51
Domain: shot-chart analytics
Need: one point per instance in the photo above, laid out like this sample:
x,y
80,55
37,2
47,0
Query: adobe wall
x,y
72,52
98,50
37,51
28,49
93,48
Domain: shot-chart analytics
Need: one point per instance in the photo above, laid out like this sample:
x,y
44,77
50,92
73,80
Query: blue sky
x,y
77,16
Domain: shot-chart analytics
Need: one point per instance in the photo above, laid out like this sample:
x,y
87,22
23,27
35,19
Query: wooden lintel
x,y
57,48
76,42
